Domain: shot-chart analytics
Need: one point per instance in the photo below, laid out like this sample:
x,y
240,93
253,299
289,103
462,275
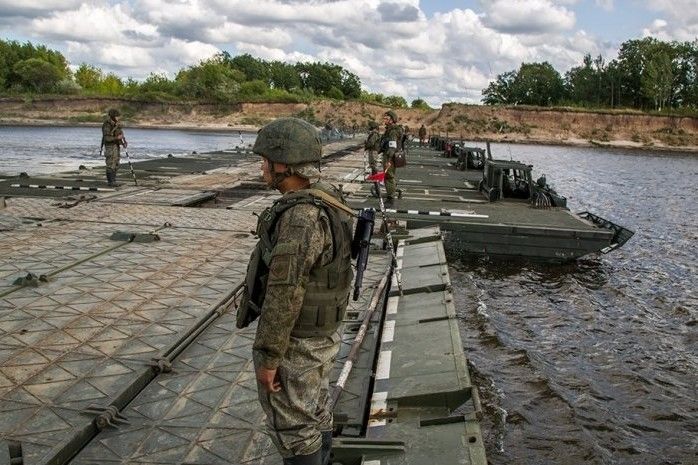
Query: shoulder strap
x,y
328,199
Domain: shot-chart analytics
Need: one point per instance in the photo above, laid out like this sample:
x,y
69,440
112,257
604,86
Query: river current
x,y
594,362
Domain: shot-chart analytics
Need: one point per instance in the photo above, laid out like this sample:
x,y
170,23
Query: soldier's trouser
x,y
373,161
390,176
112,154
298,414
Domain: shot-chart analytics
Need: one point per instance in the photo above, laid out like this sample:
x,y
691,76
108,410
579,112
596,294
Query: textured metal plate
x,y
84,336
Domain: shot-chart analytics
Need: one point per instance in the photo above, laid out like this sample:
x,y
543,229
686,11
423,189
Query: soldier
x,y
298,282
112,140
422,135
390,142
372,145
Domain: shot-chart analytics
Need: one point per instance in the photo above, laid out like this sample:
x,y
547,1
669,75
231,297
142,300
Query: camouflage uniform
x,y
112,145
299,285
372,145
422,135
297,414
390,144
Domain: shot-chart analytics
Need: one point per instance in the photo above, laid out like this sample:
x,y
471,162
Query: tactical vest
x,y
328,286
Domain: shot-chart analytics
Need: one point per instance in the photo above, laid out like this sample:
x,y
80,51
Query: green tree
x,y
211,79
158,83
538,84
657,80
254,88
500,92
283,76
395,101
584,83
37,74
420,104
88,76
253,68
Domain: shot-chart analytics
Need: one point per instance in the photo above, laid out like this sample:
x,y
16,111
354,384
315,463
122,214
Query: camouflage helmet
x,y
392,115
372,125
113,112
289,140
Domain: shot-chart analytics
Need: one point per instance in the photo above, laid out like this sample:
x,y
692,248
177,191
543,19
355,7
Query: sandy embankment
x,y
471,122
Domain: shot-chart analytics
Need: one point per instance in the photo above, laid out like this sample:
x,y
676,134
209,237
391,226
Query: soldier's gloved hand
x,y
124,143
268,379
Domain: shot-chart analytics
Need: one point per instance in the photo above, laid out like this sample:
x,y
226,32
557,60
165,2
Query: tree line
x,y
35,69
648,74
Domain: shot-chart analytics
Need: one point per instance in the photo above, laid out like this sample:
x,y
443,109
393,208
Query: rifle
x,y
388,235
128,158
360,244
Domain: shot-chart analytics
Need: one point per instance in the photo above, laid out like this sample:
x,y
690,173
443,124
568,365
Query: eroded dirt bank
x,y
473,122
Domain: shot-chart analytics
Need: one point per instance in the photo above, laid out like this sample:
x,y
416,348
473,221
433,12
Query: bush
x,y
68,87
37,74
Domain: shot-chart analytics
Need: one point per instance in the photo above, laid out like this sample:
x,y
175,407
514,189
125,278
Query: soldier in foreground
x,y
372,145
112,140
390,144
298,283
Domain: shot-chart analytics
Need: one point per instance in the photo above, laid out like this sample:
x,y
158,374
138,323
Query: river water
x,y
42,150
594,362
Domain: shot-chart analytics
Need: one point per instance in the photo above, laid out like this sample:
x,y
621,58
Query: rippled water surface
x,y
594,362
41,150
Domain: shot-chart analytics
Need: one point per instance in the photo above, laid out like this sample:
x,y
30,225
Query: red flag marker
x,y
378,177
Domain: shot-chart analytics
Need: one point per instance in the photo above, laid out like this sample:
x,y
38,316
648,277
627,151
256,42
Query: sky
x,y
440,51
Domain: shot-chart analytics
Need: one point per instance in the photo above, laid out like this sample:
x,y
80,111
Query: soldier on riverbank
x,y
298,283
112,140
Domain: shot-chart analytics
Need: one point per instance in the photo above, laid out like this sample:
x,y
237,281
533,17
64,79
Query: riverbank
x,y
521,125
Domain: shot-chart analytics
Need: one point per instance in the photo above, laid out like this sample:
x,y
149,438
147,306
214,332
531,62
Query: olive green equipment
x,y
289,140
392,115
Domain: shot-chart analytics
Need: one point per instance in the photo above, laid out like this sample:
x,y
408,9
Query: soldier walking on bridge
x,y
390,144
298,283
372,145
112,140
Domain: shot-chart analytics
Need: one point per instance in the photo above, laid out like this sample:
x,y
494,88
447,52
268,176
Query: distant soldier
x,y
112,140
298,283
422,135
405,137
390,144
372,145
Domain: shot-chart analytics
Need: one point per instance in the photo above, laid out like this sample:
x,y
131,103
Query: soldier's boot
x,y
313,459
113,179
110,177
326,448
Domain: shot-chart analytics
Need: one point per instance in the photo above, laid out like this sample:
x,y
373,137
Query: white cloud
x,y
392,45
529,16
680,21
94,23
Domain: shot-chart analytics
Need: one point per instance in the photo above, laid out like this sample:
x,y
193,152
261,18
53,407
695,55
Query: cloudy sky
x,y
441,50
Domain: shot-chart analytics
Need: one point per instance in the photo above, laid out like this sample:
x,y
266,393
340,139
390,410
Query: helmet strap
x,y
277,178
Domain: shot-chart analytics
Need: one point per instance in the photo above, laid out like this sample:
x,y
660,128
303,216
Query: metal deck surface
x,y
131,287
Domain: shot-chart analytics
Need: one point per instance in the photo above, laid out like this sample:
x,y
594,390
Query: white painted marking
x,y
383,368
398,265
372,462
390,210
413,212
392,305
388,331
379,404
469,215
400,251
341,381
